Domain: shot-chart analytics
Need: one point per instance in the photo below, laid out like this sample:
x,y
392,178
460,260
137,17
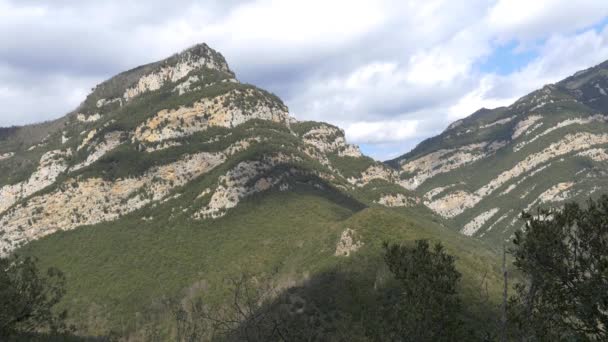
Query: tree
x,y
27,298
563,255
426,306
256,312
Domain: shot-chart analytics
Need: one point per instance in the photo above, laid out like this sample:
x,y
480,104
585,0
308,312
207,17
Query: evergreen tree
x,y
426,306
563,255
27,297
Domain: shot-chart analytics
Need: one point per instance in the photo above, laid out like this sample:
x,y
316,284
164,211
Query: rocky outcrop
x,y
6,155
349,243
498,122
78,202
84,202
89,118
246,179
376,171
222,111
595,154
52,164
445,160
473,226
398,200
572,121
523,127
453,203
88,137
556,193
328,139
570,143
187,63
109,142
104,102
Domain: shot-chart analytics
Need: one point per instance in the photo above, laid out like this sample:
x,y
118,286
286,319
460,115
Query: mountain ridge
x,y
505,146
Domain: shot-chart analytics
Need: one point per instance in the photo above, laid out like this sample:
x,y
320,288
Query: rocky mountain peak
x,y
196,64
150,135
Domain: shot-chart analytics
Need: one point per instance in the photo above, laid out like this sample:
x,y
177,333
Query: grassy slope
x,y
121,274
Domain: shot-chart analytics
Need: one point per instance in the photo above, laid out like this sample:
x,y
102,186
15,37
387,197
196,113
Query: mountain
x,y
546,148
146,132
174,176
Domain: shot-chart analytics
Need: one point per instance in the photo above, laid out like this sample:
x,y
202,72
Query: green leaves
x,y
27,298
564,256
427,307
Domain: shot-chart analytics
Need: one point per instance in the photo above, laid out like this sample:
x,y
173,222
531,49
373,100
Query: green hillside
x,y
124,274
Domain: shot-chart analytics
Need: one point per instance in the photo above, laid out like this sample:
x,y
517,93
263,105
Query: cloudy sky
x,y
390,72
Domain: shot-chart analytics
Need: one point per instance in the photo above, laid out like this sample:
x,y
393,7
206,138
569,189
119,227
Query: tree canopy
x,y
27,297
563,255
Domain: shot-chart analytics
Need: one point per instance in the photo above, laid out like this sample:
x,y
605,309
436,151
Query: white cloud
x,y
478,98
381,132
525,19
559,57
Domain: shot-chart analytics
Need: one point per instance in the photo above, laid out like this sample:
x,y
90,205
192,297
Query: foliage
x,y
257,311
144,265
303,127
27,297
350,166
427,306
564,257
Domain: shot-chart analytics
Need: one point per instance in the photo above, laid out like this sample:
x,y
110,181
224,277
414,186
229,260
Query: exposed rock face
x,y
328,139
188,61
6,155
110,142
398,200
457,202
523,126
244,180
596,154
104,102
374,172
52,164
498,122
562,124
445,160
473,226
90,118
557,193
219,111
348,243
88,137
453,203
85,202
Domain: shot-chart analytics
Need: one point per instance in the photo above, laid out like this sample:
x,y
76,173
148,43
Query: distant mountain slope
x,y
547,147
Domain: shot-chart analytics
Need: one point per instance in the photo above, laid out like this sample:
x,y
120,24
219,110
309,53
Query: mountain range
x,y
173,176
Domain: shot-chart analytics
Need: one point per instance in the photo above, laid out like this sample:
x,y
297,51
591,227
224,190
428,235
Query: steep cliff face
x,y
547,147
144,135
